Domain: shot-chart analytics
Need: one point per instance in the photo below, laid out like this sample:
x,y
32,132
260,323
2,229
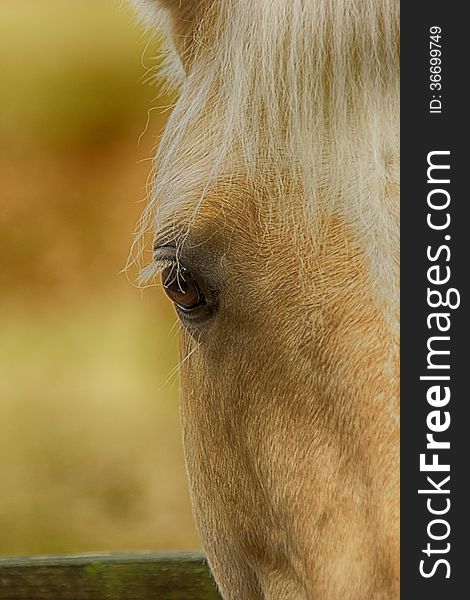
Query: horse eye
x,y
181,288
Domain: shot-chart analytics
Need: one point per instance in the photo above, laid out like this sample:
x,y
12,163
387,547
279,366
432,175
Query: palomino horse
x,y
275,220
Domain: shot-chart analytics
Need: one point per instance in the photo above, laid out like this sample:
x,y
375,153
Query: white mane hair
x,y
157,20
308,88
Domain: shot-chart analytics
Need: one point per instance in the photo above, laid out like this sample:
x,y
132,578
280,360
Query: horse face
x,y
286,361
289,357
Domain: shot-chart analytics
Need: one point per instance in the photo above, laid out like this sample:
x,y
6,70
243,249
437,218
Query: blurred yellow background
x,y
90,449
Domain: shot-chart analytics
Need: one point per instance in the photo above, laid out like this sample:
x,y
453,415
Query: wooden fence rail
x,y
136,576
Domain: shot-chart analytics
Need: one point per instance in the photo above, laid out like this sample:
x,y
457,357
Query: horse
x,y
274,219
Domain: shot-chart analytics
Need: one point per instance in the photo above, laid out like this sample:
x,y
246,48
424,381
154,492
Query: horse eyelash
x,y
154,268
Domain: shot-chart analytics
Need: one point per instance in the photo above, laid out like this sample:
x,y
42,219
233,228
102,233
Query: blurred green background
x,y
90,449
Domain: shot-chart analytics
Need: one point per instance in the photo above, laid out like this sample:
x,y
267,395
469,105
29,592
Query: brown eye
x,y
181,288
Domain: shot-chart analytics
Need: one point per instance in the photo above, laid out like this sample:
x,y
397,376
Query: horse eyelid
x,y
163,257
166,255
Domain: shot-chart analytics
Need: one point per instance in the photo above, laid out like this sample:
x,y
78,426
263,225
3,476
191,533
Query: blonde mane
x,y
308,88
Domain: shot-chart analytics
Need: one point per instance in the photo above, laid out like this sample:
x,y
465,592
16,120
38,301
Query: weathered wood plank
x,y
137,576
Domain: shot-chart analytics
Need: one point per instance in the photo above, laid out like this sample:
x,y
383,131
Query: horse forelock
x,y
293,93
